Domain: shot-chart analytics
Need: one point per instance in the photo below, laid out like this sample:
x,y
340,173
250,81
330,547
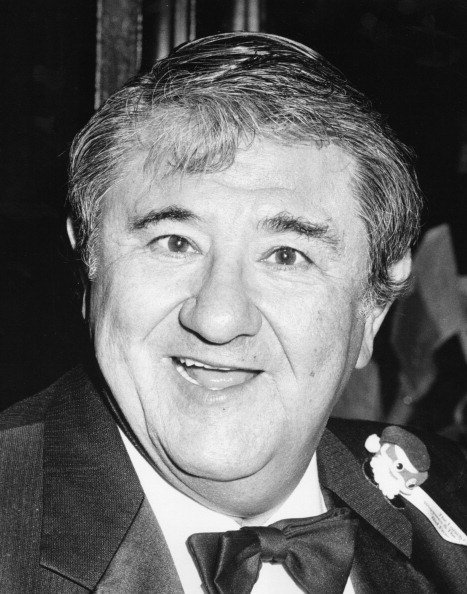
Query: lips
x,y
211,376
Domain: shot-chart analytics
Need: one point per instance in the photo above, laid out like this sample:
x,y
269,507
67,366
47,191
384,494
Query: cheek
x,y
316,331
321,345
130,301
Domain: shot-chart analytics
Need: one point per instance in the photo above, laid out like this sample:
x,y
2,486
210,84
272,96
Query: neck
x,y
252,499
306,498
249,500
258,520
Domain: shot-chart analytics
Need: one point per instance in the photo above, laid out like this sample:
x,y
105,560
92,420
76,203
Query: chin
x,y
233,468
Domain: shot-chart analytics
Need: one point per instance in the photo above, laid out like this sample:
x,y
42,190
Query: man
x,y
245,220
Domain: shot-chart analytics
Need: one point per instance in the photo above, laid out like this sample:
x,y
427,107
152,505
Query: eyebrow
x,y
285,222
171,213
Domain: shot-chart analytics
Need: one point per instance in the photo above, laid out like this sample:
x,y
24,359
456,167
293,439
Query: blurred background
x,y
63,58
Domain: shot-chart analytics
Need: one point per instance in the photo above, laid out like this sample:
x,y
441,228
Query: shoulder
x,y
22,430
32,410
21,482
24,413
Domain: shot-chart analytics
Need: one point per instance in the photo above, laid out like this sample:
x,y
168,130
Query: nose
x,y
221,308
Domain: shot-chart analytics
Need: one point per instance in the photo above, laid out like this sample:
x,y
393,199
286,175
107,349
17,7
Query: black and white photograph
x,y
234,309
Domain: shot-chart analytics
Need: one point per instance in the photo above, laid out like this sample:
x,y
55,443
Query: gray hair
x,y
194,109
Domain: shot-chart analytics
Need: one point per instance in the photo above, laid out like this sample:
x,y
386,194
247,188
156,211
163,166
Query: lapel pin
x,y
399,465
400,461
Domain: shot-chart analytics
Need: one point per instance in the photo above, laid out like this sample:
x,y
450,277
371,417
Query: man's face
x,y
226,311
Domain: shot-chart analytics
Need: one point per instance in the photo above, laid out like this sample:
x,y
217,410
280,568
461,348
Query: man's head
x,y
193,110
245,218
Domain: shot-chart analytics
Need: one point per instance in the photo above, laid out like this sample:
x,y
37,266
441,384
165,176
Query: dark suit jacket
x,y
73,517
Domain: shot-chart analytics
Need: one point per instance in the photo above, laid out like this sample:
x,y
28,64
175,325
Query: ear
x,y
72,237
70,231
399,272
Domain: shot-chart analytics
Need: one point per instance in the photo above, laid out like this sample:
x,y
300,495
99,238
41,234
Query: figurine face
x,y
394,472
402,469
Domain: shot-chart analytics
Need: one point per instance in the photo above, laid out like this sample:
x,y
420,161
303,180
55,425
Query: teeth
x,y
181,370
192,363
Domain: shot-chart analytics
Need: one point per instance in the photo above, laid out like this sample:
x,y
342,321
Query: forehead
x,y
266,178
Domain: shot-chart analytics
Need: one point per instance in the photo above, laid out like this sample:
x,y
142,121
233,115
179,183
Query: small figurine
x,y
400,462
399,465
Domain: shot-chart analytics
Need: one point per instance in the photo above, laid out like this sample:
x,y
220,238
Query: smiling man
x,y
245,220
227,314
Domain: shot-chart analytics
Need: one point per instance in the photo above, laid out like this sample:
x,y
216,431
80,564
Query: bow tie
x,y
317,553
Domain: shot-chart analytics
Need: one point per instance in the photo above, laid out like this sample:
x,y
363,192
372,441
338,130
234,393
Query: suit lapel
x,y
92,496
342,473
142,562
384,542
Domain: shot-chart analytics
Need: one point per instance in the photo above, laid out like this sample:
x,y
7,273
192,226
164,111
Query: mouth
x,y
211,376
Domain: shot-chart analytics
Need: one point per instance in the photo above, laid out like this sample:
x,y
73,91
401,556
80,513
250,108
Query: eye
x,y
398,465
286,256
175,245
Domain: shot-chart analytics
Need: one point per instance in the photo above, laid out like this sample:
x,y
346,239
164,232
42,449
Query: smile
x,y
210,376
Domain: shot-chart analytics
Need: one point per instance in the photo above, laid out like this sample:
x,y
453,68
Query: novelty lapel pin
x,y
399,465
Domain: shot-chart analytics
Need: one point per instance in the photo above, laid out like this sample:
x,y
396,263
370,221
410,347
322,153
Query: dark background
x,y
409,56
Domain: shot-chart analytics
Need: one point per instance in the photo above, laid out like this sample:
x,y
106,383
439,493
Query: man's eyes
x,y
179,246
174,244
285,256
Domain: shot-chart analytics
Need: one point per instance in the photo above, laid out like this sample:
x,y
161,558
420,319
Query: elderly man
x,y
245,220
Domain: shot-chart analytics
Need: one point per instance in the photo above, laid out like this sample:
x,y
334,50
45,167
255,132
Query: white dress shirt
x,y
179,517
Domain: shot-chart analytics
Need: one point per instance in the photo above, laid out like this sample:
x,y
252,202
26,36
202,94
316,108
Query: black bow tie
x,y
317,552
